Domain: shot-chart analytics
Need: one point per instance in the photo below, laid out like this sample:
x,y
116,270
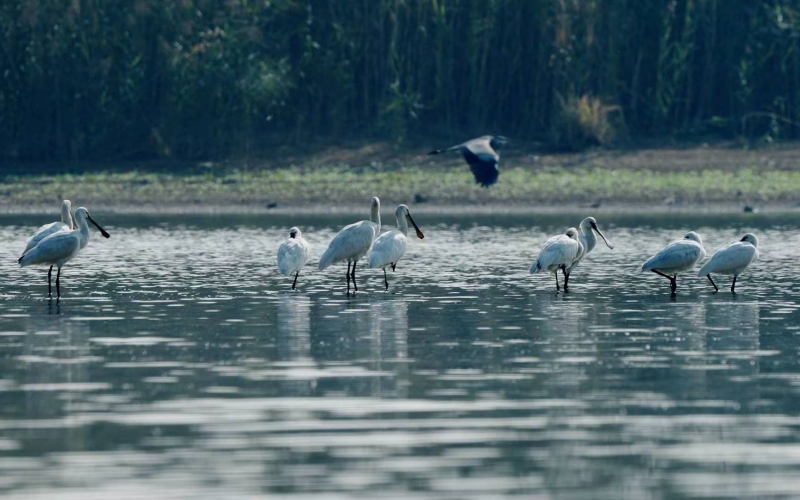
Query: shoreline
x,y
422,208
703,179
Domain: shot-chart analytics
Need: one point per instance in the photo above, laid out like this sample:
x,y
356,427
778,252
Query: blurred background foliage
x,y
191,79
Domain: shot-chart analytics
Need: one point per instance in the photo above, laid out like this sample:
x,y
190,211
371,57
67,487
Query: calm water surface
x,y
178,364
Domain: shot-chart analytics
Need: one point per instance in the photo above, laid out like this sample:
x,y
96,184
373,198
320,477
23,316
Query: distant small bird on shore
x,y
677,257
391,246
732,259
559,253
61,247
293,255
353,242
481,155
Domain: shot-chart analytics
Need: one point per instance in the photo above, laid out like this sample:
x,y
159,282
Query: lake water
x,y
178,364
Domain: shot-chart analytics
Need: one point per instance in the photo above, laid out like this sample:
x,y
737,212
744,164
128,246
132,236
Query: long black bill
x,y
102,231
419,233
609,245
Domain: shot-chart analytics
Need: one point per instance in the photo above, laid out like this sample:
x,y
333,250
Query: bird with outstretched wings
x,y
481,155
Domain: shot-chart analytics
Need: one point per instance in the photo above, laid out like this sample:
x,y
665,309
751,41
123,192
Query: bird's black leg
x,y
393,266
295,279
733,285
354,276
673,284
558,288
713,284
49,279
566,278
348,276
385,280
58,284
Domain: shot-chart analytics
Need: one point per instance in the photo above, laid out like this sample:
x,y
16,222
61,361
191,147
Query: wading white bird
x,y
481,155
732,259
353,242
558,252
677,257
43,232
293,255
587,238
61,247
390,246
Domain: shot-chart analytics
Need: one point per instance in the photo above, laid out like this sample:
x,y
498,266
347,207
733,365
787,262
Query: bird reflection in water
x,y
388,338
294,344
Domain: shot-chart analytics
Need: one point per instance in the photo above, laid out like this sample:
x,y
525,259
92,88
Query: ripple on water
x,y
177,339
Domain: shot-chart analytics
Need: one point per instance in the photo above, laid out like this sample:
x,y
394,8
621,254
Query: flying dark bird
x,y
481,155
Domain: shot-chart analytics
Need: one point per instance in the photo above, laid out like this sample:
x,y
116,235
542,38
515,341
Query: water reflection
x,y
54,380
294,328
294,342
733,340
388,335
178,357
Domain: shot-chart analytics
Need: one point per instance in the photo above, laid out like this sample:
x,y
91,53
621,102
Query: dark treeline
x,y
186,79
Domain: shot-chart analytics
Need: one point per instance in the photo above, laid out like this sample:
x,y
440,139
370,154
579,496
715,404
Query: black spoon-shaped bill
x,y
102,231
416,228
597,230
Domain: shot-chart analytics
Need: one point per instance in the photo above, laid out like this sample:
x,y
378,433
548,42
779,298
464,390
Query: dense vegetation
x,y
118,79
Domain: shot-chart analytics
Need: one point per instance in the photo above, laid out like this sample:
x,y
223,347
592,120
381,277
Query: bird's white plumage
x,y
43,232
588,239
387,249
61,247
293,253
354,240
561,250
391,246
56,249
732,258
677,257
586,234
351,244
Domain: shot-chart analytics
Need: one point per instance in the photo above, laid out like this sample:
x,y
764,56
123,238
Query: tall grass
x,y
586,121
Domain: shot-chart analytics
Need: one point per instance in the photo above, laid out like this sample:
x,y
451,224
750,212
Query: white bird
x,y
43,232
481,155
353,242
558,252
677,257
293,255
390,246
61,247
587,238
732,259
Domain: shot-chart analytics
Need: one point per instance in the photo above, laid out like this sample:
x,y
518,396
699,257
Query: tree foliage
x,y
186,79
